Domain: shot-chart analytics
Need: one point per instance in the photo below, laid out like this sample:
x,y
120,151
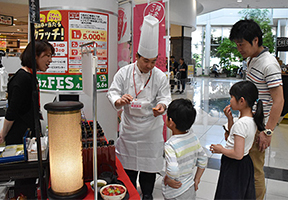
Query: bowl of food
x,y
113,192
100,184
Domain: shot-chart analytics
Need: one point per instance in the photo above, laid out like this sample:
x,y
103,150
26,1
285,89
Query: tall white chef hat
x,y
148,44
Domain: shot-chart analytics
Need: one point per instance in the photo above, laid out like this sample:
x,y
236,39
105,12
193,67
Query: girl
x,y
236,179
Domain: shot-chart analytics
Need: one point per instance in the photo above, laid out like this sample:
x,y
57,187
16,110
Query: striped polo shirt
x,y
264,71
182,153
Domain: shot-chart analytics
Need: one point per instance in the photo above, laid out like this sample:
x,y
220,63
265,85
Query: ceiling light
x,y
239,1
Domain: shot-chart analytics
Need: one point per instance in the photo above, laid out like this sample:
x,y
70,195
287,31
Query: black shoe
x,y
147,196
177,91
181,91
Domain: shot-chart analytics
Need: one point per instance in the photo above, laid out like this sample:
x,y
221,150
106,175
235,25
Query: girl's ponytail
x,y
259,115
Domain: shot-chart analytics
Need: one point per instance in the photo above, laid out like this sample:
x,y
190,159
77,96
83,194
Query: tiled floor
x,y
210,96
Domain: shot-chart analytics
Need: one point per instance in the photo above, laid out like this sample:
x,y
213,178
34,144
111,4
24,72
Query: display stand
x,y
89,78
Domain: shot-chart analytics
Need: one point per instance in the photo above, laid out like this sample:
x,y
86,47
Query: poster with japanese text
x,y
66,30
156,9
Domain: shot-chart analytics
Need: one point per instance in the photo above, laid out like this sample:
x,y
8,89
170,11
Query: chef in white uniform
x,y
142,91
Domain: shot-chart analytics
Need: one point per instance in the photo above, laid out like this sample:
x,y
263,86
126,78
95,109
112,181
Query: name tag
x,y
136,105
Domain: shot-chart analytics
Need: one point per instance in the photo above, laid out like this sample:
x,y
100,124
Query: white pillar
x,y
207,48
279,28
285,35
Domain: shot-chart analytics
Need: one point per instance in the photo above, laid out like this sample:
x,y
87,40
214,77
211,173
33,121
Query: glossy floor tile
x,y
210,96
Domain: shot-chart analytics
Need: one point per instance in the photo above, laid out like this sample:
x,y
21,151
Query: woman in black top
x,y
19,115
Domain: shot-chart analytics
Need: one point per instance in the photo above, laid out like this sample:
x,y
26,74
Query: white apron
x,y
140,144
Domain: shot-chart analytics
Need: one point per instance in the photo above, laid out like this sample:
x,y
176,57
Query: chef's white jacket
x,y
140,143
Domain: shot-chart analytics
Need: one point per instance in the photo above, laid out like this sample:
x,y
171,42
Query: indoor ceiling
x,y
212,5
19,10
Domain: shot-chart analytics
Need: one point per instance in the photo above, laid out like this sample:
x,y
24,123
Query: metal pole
x,y
95,123
132,29
34,18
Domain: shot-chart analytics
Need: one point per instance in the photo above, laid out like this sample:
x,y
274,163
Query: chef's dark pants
x,y
146,180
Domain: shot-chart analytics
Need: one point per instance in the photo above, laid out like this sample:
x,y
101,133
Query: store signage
x,y
67,30
282,42
6,20
34,11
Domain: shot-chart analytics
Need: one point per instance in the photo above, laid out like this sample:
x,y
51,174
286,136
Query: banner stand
x,y
89,68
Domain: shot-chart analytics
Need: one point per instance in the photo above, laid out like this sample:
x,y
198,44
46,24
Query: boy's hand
x,y
196,183
172,183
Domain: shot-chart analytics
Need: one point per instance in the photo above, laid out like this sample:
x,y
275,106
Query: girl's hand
x,y
216,148
226,134
227,112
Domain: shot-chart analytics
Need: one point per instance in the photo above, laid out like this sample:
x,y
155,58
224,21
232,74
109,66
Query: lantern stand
x,y
65,150
89,50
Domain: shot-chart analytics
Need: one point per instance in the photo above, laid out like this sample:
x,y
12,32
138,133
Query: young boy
x,y
183,152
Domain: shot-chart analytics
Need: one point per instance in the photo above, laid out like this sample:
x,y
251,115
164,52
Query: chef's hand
x,y
125,99
159,109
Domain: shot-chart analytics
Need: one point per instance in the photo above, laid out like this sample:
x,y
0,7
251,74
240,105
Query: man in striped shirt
x,y
264,71
183,152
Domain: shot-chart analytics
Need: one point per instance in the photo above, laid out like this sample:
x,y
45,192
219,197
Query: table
x,y
19,171
24,170
122,176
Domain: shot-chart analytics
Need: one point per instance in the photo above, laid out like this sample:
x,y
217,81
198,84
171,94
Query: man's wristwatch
x,y
268,132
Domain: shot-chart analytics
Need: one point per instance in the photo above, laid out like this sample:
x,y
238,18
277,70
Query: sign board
x,y
34,11
66,30
282,44
6,20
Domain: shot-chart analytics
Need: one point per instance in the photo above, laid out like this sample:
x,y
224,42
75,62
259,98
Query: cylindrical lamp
x,y
65,150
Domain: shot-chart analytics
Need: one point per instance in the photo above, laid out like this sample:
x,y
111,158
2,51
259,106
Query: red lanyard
x,y
135,83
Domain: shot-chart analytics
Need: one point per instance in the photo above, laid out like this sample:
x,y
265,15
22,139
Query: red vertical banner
x,y
156,9
124,35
